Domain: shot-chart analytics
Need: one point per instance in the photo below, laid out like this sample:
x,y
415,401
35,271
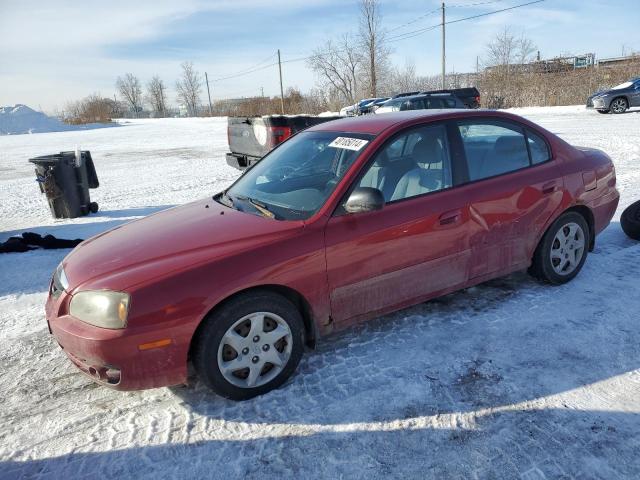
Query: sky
x,y
56,51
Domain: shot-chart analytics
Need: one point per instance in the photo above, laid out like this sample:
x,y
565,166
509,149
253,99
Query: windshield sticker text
x,y
347,143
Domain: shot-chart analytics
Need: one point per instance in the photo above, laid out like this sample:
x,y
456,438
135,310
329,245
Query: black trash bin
x,y
66,180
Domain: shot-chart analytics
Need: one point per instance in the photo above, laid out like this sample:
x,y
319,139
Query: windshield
x,y
294,180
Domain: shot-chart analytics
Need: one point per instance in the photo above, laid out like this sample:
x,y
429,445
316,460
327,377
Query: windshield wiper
x,y
259,206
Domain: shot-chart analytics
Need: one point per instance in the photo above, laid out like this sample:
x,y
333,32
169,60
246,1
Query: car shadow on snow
x,y
552,444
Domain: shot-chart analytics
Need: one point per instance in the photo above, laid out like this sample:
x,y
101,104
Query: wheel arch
x,y
582,210
587,214
295,297
622,95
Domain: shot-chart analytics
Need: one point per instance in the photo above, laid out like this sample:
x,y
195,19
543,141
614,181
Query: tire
x,y
603,111
93,207
619,105
630,221
249,372
556,262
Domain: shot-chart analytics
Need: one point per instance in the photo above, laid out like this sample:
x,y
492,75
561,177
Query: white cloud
x,y
56,51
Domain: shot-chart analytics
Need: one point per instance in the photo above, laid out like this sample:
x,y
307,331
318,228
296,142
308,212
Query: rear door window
x,y
434,103
493,148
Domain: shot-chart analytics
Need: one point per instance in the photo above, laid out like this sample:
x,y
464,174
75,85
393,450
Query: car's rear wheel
x,y
619,105
562,250
603,111
249,346
630,221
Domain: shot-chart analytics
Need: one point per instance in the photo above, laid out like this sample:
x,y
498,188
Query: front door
x,y
416,246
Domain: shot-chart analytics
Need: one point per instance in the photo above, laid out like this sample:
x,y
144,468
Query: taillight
x,y
277,135
478,99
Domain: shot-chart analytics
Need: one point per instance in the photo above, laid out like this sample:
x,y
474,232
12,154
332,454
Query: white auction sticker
x,y
347,143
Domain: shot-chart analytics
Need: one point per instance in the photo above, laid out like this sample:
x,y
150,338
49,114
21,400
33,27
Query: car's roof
x,y
375,124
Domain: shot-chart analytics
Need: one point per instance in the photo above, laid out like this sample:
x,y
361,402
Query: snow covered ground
x,y
511,379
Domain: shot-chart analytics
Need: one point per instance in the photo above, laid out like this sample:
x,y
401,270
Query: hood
x,y
611,91
168,241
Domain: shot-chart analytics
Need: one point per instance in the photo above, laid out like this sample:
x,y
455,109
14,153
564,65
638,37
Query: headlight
x,y
101,308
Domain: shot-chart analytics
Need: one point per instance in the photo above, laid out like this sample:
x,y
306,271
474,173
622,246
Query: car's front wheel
x,y
619,105
562,250
250,345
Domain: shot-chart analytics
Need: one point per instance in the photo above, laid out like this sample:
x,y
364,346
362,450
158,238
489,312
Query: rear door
x,y
417,245
513,187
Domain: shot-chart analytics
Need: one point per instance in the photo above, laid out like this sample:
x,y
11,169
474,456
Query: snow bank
x,y
562,110
19,119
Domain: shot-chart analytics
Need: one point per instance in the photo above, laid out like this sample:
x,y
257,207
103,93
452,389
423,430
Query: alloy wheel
x,y
619,105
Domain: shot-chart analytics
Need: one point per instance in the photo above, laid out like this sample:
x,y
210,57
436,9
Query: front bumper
x,y
113,357
597,103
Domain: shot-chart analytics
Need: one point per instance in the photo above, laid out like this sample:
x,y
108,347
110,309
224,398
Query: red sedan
x,y
345,221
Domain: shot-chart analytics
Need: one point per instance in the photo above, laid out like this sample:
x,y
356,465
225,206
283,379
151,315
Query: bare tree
x,y
372,38
131,92
188,88
506,50
405,79
157,96
338,66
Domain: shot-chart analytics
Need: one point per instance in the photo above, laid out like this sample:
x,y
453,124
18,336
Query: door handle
x,y
450,217
549,188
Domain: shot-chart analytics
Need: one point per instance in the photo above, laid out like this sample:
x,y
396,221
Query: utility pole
x,y
208,94
444,68
281,88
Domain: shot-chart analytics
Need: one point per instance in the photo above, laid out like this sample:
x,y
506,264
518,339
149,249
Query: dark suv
x,y
618,99
421,101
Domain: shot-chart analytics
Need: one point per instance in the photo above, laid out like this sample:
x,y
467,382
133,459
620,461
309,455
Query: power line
x,y
495,11
415,20
467,5
247,70
396,38
415,33
437,10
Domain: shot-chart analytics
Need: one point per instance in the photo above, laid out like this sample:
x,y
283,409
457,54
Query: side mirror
x,y
364,199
